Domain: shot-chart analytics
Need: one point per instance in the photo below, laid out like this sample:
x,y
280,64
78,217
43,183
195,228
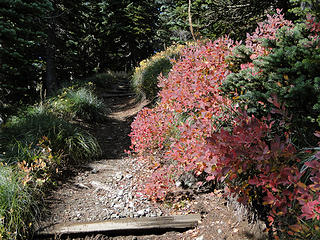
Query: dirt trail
x,y
105,188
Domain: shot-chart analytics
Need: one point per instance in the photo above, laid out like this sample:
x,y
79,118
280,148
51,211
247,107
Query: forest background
x,y
51,50
45,43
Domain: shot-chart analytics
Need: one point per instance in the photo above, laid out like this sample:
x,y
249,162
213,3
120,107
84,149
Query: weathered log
x,y
127,224
113,95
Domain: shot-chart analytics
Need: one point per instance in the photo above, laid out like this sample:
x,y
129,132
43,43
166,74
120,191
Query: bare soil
x,y
105,189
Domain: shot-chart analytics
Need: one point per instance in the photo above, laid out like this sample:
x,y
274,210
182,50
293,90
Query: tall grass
x,y
18,206
32,124
86,105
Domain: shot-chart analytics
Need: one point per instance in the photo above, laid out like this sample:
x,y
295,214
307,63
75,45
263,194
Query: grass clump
x,y
145,77
78,103
32,124
18,206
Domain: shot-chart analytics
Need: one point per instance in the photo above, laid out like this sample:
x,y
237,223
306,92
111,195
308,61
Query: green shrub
x,y
149,83
18,206
32,124
145,77
301,8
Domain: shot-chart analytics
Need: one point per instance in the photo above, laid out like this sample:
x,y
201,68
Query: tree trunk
x,y
51,75
190,20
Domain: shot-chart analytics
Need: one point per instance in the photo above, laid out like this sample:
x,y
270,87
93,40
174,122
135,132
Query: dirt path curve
x,y
105,188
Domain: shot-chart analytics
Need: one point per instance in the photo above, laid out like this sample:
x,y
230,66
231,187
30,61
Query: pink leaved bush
x,y
313,25
192,92
196,128
309,195
180,124
150,130
265,30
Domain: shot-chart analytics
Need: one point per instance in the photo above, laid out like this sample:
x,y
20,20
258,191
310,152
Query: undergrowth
x,y
18,205
34,144
31,125
78,103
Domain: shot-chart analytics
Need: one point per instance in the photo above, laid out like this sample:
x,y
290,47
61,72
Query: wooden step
x,y
117,91
124,225
109,95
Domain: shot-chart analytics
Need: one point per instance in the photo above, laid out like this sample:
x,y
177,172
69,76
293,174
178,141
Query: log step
x,y
124,225
110,95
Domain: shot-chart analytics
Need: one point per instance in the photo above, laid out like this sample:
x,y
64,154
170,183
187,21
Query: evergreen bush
x,y
291,72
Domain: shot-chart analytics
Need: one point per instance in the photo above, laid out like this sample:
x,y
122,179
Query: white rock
x,y
141,212
129,176
200,238
117,205
178,183
118,176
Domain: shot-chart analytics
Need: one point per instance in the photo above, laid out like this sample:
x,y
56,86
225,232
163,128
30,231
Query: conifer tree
x,y
22,34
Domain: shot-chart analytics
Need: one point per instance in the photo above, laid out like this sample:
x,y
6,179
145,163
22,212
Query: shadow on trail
x,y
113,138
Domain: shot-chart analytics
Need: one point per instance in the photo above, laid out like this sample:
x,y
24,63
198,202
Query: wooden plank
x,y
126,224
110,95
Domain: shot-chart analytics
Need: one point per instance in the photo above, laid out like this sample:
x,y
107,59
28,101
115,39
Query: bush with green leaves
x,y
145,77
18,205
301,8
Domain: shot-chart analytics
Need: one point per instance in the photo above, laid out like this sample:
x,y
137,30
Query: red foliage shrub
x,y
182,121
265,30
150,130
196,128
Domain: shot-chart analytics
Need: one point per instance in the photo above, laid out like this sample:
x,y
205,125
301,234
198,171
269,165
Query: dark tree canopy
x,y
47,42
22,35
213,18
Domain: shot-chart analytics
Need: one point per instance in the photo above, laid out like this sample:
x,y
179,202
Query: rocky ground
x,y
106,189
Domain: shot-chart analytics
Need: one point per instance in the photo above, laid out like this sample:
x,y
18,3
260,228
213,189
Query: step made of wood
x,y
146,223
